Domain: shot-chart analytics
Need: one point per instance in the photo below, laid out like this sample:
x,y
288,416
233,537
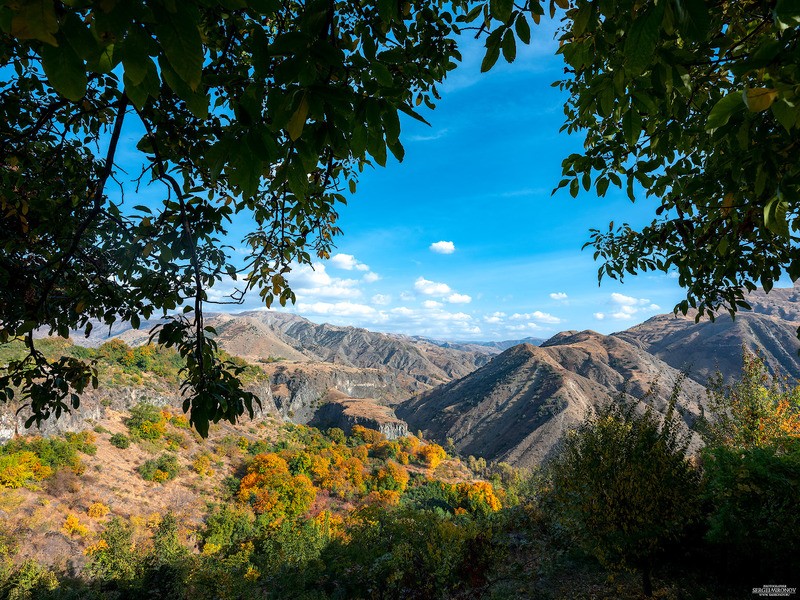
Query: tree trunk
x,y
647,584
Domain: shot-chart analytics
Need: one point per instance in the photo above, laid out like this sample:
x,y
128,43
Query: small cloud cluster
x,y
560,296
626,307
440,290
348,262
442,247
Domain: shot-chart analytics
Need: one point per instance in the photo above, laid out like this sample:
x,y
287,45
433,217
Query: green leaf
x,y
509,47
788,11
492,54
35,19
298,119
79,36
581,19
179,36
632,126
501,9
65,71
785,113
642,39
693,19
523,29
722,111
412,113
775,216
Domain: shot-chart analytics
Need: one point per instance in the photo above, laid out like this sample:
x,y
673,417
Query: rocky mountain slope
x,y
516,408
703,348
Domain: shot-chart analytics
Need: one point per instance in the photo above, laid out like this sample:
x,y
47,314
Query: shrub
x,y
273,491
21,469
73,526
622,487
98,510
336,435
202,465
146,422
752,472
113,558
160,469
83,441
755,518
362,435
431,455
391,477
120,440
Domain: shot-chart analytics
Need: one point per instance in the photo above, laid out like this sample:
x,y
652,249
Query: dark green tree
x,y
259,110
623,487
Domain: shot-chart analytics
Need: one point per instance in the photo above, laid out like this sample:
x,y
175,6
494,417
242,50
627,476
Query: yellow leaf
x,y
727,203
295,125
759,99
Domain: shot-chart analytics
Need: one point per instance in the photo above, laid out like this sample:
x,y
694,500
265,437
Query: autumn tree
x,y
751,468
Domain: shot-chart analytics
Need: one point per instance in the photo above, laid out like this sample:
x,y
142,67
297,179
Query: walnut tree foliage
x,y
263,111
623,487
697,102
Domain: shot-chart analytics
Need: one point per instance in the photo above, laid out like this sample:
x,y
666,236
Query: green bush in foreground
x,y
623,488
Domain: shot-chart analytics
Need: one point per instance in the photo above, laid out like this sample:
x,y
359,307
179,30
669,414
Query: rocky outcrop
x,y
343,412
95,403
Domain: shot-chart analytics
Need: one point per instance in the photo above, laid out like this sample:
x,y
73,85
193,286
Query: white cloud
x,y
537,315
313,281
431,288
402,310
625,300
525,327
381,299
432,304
558,296
348,262
599,316
496,317
628,307
459,299
442,247
371,277
336,309
406,296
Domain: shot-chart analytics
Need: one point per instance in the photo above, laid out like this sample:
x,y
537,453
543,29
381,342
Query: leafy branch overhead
x,y
258,111
697,104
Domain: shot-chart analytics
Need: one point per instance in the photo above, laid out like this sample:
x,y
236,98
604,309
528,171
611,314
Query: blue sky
x,y
463,240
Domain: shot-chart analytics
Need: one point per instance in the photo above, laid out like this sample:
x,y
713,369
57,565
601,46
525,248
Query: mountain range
x,y
505,401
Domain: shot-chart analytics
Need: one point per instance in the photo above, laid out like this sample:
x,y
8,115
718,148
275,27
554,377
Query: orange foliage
x,y
391,477
72,526
383,498
273,491
479,496
431,455
368,436
98,510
